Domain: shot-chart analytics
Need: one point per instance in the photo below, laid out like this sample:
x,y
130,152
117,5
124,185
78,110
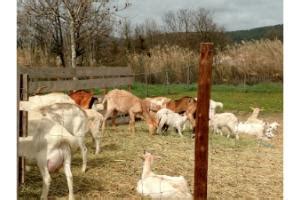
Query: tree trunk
x,y
73,44
61,50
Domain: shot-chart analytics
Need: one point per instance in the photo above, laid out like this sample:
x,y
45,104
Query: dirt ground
x,y
244,169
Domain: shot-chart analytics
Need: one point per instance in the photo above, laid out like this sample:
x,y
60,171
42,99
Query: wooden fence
x,y
54,79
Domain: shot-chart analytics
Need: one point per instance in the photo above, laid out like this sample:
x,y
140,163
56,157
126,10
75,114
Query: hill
x,y
270,32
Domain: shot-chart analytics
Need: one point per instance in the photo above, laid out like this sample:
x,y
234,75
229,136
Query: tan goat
x,y
125,102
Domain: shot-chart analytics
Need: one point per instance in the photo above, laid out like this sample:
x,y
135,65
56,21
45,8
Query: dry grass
x,y
173,59
247,169
252,61
249,62
34,57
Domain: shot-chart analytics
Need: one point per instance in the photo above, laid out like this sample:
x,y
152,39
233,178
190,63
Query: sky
x,y
231,14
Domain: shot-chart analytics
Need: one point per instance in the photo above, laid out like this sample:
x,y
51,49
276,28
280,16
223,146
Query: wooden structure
x,y
54,79
202,117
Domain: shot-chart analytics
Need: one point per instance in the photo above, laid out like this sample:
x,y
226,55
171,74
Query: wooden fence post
x,y
202,117
23,121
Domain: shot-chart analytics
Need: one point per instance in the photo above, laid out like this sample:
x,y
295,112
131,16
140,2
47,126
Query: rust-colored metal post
x,y
201,136
23,121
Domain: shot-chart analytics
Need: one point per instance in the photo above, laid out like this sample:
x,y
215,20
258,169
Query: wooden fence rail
x,y
87,78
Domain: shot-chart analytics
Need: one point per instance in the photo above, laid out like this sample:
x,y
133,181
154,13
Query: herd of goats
x,y
58,123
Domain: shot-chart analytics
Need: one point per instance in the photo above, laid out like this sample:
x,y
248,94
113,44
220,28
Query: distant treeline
x,y
266,32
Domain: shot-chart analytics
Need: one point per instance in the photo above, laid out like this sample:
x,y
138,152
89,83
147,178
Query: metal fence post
x,y
167,82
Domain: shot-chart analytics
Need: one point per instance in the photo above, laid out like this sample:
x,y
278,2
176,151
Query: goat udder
x,y
55,163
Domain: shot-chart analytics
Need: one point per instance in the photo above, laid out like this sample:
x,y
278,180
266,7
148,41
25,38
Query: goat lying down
x,y
161,186
49,144
260,130
167,117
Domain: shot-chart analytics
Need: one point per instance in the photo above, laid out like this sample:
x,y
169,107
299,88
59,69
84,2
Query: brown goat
x,y
184,104
180,105
83,98
125,102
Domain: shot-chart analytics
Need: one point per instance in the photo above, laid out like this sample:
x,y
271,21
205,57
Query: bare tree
x,y
73,22
184,17
171,22
126,32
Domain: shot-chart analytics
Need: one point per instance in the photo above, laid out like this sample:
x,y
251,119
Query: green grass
x,y
236,98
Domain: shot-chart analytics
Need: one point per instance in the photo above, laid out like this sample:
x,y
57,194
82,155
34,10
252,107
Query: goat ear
x,y
251,108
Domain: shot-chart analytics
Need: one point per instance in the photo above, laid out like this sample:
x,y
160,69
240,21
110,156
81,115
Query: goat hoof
x,y
83,169
97,152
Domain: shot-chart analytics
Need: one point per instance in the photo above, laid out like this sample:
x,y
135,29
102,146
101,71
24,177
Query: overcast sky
x,y
231,14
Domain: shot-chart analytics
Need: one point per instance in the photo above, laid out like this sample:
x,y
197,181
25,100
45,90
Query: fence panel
x,y
87,78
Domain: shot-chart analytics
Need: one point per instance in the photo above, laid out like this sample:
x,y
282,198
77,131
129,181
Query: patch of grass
x,y
236,98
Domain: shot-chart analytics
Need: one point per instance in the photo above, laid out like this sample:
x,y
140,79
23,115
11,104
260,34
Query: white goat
x,y
49,144
170,118
223,120
161,186
70,116
260,130
213,105
251,128
94,119
38,101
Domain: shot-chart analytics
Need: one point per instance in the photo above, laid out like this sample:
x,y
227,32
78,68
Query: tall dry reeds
x,y
34,57
248,62
162,60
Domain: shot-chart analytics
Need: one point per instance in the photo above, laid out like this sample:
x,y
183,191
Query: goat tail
x,y
70,140
59,135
